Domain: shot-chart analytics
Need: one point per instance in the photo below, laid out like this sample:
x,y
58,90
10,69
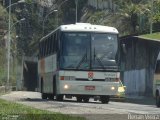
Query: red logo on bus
x,y
90,75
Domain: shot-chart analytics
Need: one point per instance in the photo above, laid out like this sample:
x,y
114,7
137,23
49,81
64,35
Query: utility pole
x,y
9,38
76,2
8,45
151,22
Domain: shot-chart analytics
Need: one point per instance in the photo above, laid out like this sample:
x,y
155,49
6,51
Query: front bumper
x,y
95,88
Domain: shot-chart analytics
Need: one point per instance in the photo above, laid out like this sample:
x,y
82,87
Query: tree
x,y
132,10
156,15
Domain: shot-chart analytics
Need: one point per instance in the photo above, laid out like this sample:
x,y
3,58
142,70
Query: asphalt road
x,y
93,110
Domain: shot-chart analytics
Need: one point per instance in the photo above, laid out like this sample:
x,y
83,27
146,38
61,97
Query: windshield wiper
x,y
82,60
98,59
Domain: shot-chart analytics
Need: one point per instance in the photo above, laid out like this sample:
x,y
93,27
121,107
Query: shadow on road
x,y
65,100
142,101
33,99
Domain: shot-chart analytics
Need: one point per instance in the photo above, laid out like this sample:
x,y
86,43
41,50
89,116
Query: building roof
x,y
146,38
151,37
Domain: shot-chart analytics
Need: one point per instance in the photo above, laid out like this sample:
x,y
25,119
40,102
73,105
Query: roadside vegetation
x,y
152,36
3,26
3,45
16,111
129,16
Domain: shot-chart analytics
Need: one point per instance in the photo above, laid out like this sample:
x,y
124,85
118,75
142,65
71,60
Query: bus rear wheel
x,y
79,99
104,99
51,96
86,100
59,97
44,96
158,100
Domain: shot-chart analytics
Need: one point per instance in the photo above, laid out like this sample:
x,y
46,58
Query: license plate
x,y
89,87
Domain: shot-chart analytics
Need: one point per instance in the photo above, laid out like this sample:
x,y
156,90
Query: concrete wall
x,y
135,80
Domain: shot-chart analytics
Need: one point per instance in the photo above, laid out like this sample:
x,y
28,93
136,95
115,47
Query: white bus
x,y
79,60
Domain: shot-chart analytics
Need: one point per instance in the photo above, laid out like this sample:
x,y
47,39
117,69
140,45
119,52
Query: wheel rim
x,y
79,99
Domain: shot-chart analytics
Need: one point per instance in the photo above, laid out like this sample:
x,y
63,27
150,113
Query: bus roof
x,y
87,27
84,27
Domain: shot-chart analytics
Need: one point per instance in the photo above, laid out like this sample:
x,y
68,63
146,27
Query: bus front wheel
x,y
79,99
44,96
104,99
157,99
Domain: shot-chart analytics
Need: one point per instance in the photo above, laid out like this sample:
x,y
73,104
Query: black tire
x,y
51,97
86,100
79,99
44,96
54,85
41,85
158,100
96,98
59,97
104,99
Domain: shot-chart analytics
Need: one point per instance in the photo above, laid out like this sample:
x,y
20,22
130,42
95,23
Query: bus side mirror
x,y
124,48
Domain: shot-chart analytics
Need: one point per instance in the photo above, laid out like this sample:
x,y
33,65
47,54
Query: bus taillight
x,y
61,77
67,78
117,79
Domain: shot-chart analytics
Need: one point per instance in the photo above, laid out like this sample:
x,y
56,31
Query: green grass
x,y
9,110
152,36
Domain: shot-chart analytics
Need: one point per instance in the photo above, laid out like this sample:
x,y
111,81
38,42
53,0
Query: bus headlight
x,y
112,88
121,89
66,86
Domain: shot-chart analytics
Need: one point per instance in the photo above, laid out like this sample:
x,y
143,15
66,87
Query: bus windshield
x,y
88,50
104,49
75,48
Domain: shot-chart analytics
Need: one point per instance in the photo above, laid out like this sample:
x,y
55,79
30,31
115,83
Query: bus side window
x,y
57,39
42,46
47,44
47,49
50,45
53,44
39,50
